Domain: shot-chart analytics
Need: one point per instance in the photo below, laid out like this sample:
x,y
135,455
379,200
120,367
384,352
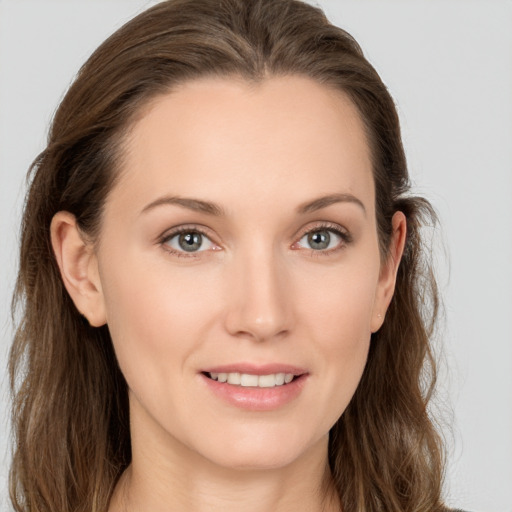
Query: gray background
x,y
448,64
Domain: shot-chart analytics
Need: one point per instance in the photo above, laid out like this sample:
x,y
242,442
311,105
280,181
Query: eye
x,y
188,241
323,238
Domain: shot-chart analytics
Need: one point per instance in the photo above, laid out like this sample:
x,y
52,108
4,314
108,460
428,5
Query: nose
x,y
259,297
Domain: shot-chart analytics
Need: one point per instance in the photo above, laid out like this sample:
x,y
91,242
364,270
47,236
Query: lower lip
x,y
256,399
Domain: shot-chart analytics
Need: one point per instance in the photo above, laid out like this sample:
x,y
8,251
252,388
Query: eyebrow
x,y
325,201
210,208
196,205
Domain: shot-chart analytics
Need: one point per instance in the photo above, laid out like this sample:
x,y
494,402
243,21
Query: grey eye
x,y
189,241
321,239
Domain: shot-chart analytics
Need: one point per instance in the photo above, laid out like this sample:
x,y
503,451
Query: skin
x,y
256,291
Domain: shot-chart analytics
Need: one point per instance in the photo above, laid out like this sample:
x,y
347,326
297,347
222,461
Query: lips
x,y
250,375
256,388
255,369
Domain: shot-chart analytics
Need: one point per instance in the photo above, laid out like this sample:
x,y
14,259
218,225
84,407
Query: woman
x,y
225,302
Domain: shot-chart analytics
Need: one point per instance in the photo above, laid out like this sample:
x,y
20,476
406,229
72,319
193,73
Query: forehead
x,y
228,139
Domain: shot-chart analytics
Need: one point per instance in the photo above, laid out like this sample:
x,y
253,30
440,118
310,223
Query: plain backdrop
x,y
448,64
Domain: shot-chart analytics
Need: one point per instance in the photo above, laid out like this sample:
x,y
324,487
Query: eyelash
x,y
345,237
178,231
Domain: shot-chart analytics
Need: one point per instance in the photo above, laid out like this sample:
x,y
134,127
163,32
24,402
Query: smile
x,y
256,388
250,380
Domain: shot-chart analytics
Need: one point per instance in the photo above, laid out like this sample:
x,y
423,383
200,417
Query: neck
x,y
169,477
200,492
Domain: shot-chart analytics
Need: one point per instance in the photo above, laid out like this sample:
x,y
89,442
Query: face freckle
x,y
267,285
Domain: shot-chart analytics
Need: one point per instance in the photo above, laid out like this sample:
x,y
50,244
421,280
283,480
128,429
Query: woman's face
x,y
240,243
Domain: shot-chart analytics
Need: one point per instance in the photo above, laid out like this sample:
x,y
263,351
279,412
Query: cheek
x,y
153,318
337,314
340,302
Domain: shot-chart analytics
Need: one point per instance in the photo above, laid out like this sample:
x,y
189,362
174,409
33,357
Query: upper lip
x,y
256,369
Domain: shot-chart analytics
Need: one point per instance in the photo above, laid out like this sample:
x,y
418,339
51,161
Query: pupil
x,y
319,239
190,241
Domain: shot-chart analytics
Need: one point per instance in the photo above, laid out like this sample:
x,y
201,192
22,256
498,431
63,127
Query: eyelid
x,y
185,228
329,226
339,230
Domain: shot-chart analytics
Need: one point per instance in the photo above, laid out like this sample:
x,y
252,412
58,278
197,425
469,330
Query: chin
x,y
262,450
255,460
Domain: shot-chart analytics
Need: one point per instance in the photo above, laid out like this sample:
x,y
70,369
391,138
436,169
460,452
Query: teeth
x,y
266,381
234,378
280,379
248,380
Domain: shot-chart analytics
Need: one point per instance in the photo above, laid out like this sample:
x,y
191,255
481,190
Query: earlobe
x,y
78,267
389,269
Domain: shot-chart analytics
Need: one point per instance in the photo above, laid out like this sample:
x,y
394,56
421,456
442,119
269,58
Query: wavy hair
x,y
70,412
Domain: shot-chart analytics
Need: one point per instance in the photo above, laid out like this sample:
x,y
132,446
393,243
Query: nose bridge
x,y
260,301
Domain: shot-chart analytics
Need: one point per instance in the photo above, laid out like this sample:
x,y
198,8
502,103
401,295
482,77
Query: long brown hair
x,y
70,414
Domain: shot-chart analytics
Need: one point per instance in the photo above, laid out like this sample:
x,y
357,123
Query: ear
x,y
388,271
78,267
